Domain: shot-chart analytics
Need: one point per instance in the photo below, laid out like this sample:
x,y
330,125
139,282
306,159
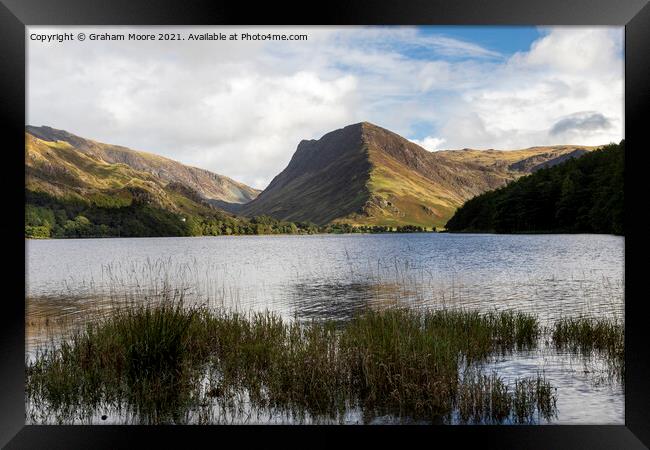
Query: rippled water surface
x,y
335,276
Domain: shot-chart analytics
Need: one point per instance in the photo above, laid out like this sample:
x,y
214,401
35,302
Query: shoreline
x,y
476,233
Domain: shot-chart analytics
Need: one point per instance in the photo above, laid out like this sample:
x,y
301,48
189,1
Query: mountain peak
x,y
50,134
365,174
365,127
358,127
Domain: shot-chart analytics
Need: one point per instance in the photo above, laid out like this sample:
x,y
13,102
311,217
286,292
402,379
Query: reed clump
x,y
160,360
142,357
487,399
588,335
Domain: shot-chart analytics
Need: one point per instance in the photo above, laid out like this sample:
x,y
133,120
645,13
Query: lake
x,y
320,277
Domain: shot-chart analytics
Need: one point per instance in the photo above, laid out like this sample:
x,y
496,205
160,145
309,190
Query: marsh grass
x,y
487,399
587,336
159,359
141,357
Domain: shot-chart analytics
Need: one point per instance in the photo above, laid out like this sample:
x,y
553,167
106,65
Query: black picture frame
x,y
16,14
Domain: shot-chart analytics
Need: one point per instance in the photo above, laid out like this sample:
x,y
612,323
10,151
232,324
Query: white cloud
x,y
430,143
240,108
566,72
574,50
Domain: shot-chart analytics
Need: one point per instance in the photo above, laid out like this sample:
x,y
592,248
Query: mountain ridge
x,y
212,186
363,174
74,194
360,175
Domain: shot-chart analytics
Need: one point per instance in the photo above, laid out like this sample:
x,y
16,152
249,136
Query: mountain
x,y
76,187
358,175
574,196
366,175
528,160
209,186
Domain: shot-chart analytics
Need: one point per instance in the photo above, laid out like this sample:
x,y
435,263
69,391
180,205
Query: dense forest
x,y
582,195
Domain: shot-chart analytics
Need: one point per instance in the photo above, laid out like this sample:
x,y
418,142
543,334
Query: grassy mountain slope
x,y
576,196
60,170
366,175
529,159
210,186
70,193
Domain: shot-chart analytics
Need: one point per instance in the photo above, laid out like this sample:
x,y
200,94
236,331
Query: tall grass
x,y
141,357
589,335
161,359
487,399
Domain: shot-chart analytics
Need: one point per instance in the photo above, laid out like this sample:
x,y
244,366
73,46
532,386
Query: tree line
x,y
581,195
47,216
338,228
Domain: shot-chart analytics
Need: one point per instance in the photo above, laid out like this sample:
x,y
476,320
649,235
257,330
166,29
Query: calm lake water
x,y
335,276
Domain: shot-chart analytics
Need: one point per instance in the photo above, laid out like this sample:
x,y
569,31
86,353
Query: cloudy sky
x,y
240,108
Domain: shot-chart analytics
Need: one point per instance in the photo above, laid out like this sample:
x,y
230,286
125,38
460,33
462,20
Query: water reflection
x,y
340,301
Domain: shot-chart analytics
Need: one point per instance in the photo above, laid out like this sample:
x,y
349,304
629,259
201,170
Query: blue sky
x,y
502,39
241,108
